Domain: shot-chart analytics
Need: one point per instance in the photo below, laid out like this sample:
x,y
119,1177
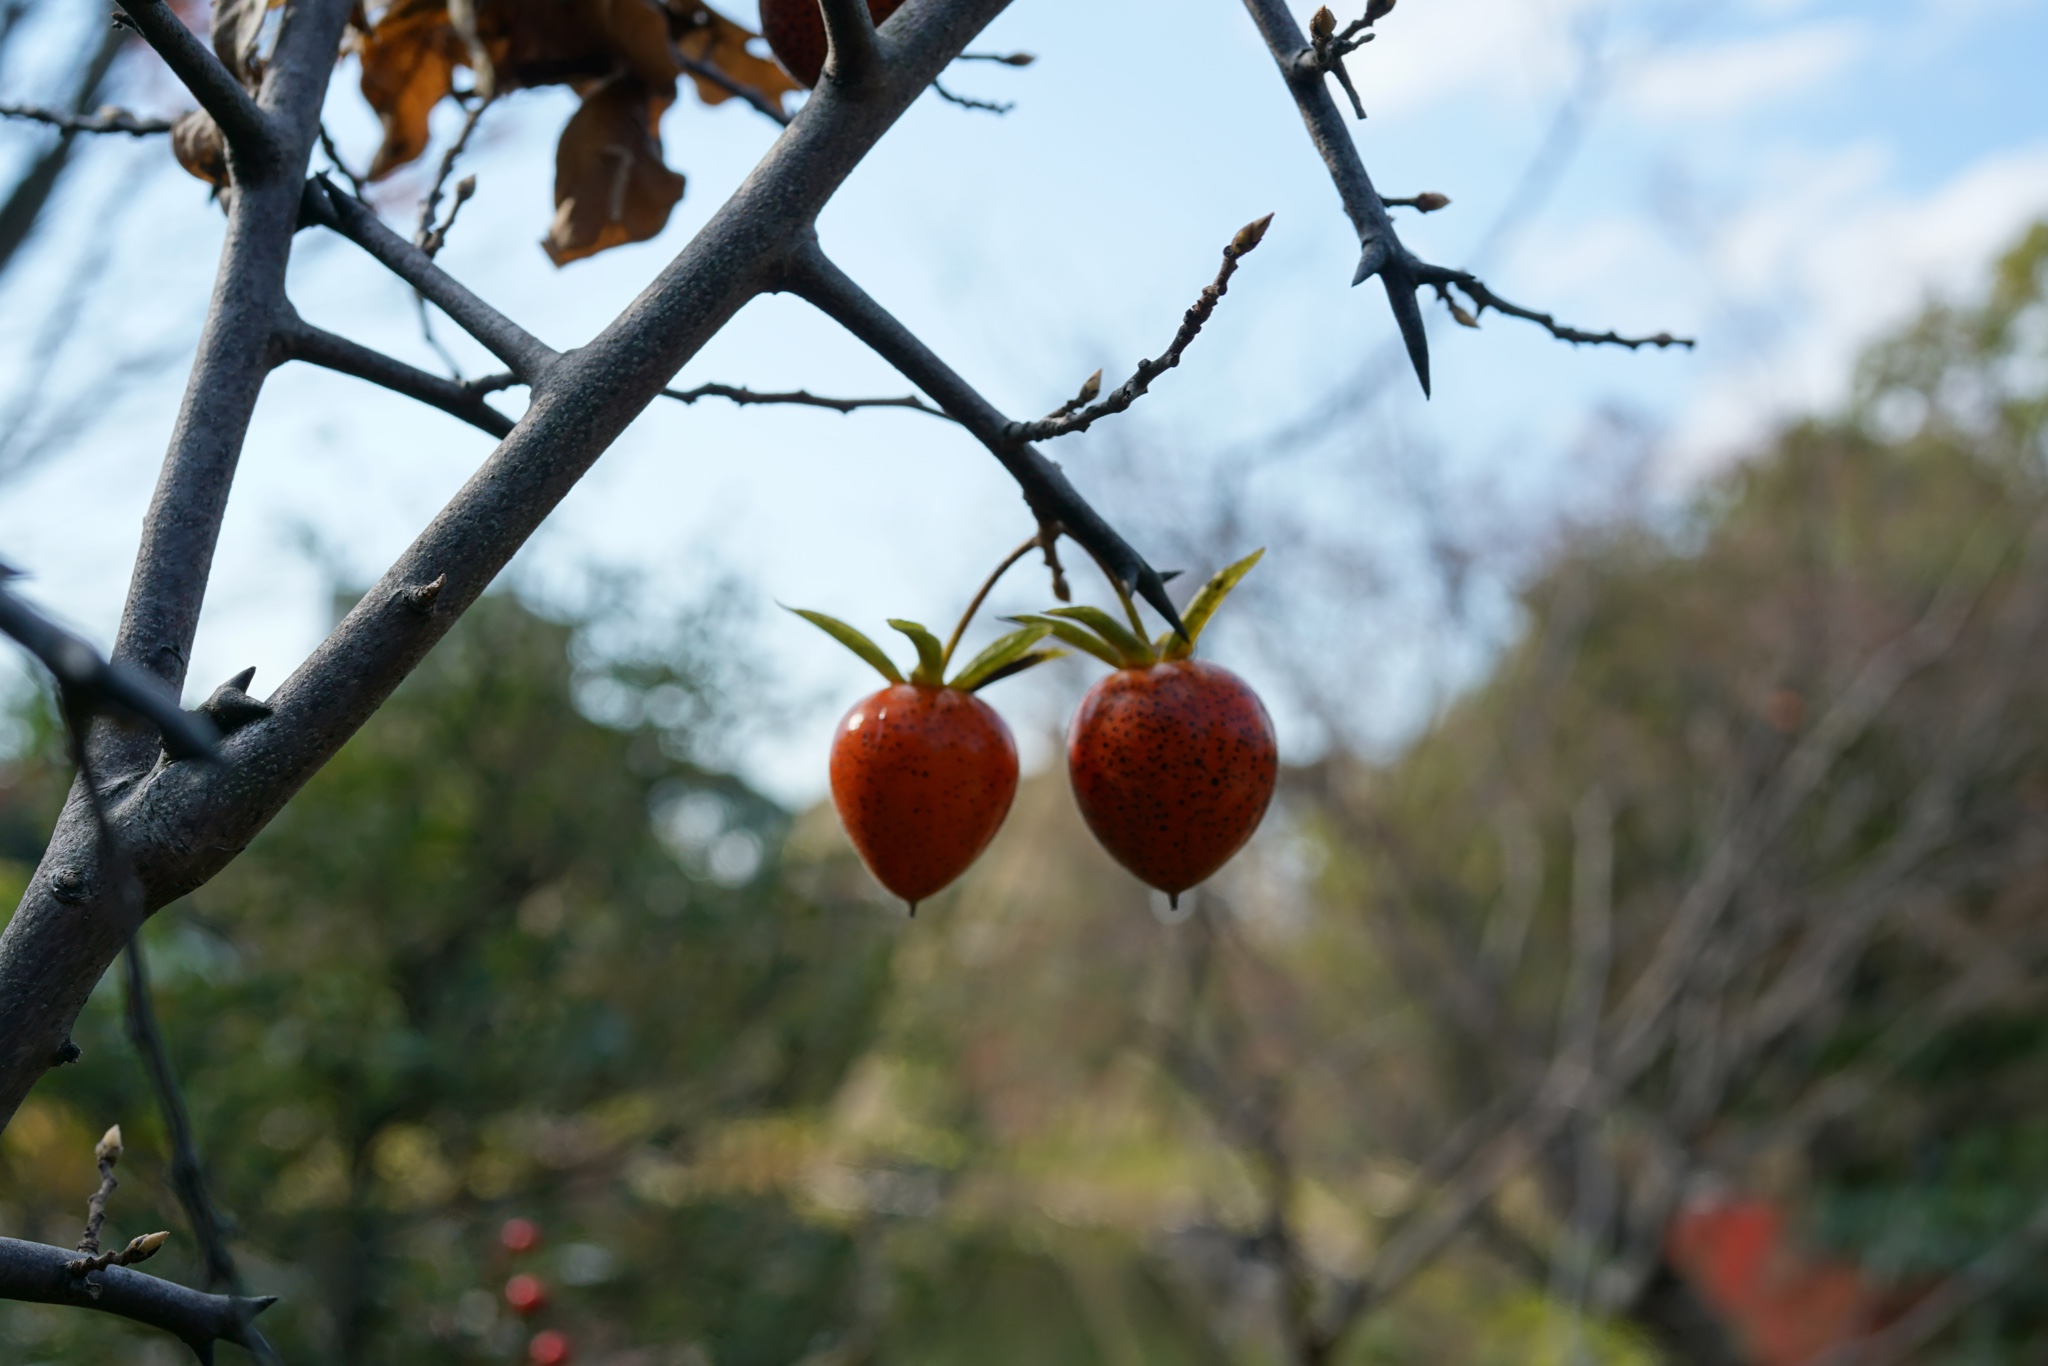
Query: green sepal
x,y
1013,668
1137,654
852,640
975,672
931,656
1075,636
1197,613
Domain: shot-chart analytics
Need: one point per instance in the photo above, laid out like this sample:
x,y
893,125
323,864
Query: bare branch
x,y
968,102
1052,499
107,120
1427,202
801,398
355,182
107,1154
705,71
40,1274
1065,421
1484,298
303,342
253,138
527,355
429,238
1004,58
852,59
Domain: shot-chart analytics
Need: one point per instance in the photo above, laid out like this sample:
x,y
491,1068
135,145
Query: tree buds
x,y
1431,201
109,1149
1251,234
1323,23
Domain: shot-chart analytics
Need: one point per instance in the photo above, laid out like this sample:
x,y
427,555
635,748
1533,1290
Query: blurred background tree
x,y
1675,996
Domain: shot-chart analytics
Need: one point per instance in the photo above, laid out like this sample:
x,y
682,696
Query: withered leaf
x,y
611,186
197,144
236,26
704,35
409,58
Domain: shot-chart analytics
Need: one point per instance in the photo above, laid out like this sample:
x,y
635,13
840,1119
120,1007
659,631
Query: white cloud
x,y
1714,82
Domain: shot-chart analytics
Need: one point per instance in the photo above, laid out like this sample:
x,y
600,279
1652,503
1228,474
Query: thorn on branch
x,y
420,597
966,102
107,119
230,708
1072,417
767,107
801,398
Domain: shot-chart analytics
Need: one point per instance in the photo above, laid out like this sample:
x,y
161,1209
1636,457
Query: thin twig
x,y
802,399
356,185
1484,298
981,594
106,1154
106,120
1003,58
1065,420
968,102
427,237
140,1248
1428,202
706,71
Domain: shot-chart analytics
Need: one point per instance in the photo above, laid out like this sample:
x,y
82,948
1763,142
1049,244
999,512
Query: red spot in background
x,y
526,1294
548,1348
519,1235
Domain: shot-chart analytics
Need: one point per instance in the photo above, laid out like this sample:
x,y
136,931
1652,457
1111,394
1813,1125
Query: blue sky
x,y
1782,179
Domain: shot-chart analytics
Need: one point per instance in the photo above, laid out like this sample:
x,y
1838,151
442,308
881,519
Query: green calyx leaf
x,y
1132,652
1029,660
854,641
998,657
931,656
1078,637
1197,613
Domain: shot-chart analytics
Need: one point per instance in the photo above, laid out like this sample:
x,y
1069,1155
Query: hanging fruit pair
x,y
923,771
1172,759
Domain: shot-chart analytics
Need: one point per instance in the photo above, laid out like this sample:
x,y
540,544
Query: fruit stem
x,y
981,595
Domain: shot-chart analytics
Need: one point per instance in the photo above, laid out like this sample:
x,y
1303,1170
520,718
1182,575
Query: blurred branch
x,y
968,102
1066,420
107,1154
707,72
1484,298
26,200
107,120
430,238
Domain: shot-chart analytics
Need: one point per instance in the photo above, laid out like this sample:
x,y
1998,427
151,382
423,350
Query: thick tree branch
x,y
528,356
180,823
301,341
1052,499
800,398
40,1274
1072,418
254,140
107,120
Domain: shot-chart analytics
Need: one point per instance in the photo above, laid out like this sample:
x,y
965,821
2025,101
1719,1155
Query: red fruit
x,y
548,1348
795,30
519,1235
526,1295
1172,767
922,776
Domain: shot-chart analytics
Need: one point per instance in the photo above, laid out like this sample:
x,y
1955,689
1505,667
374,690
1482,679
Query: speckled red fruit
x,y
795,30
1172,766
922,777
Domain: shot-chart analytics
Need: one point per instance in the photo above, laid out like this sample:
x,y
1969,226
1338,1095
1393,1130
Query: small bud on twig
x,y
109,1149
1464,319
1250,235
1378,10
1323,23
1430,201
1091,386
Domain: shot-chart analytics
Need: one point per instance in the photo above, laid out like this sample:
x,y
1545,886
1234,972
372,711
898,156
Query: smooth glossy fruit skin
x,y
795,30
922,777
1173,767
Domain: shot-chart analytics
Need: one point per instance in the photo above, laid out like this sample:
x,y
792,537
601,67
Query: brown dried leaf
x,y
409,59
197,144
236,26
704,35
611,186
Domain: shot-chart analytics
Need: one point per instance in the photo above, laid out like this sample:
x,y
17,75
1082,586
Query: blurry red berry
x,y
548,1348
526,1294
519,1235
